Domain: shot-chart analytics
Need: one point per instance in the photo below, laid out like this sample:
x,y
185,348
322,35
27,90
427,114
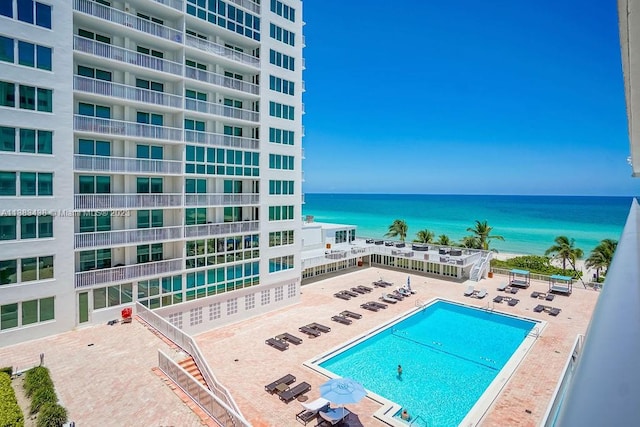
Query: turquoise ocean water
x,y
529,224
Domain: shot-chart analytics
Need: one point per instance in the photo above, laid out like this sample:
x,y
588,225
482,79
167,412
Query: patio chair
x,y
311,410
550,297
368,306
287,379
499,298
482,293
388,298
503,286
470,291
319,327
334,416
513,301
378,304
365,288
397,295
289,338
276,343
309,331
342,296
535,294
350,293
342,319
358,291
538,308
351,314
294,392
554,311
404,292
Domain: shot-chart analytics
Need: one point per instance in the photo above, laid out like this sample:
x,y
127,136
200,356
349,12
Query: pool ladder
x,y
535,332
490,306
416,419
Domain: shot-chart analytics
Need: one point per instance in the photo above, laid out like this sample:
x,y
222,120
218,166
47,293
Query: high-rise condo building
x,y
150,151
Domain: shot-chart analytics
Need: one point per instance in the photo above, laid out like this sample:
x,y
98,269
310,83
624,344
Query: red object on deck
x,y
126,313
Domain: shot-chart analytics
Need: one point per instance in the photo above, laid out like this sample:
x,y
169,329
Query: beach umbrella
x,y
342,391
409,282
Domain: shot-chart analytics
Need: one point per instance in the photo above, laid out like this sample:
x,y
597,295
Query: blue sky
x,y
465,97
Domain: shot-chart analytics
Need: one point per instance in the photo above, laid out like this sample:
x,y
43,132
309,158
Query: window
x,y
7,94
281,60
148,253
93,110
92,260
151,18
148,51
281,238
112,296
36,268
195,216
280,34
226,16
26,11
94,36
196,125
287,12
150,218
196,186
154,152
281,136
277,187
8,316
36,227
91,222
277,161
90,147
89,184
7,183
37,311
192,94
148,84
6,49
281,85
194,64
8,228
150,118
94,73
281,110
36,184
278,213
8,271
280,264
148,185
6,9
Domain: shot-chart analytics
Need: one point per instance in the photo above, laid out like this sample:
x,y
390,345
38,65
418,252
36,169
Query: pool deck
x,y
112,383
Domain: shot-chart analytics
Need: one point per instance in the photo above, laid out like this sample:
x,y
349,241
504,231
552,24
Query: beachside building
x,y
151,152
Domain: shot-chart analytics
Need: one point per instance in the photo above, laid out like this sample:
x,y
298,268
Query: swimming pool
x,y
450,354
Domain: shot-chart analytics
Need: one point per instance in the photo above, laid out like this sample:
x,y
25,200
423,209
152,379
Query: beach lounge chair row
x,y
347,295
543,295
314,329
551,310
286,393
382,283
341,319
294,392
388,298
281,342
373,306
345,317
510,301
287,379
506,288
473,293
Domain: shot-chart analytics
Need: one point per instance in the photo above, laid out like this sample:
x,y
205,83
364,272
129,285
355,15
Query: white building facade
x,y
151,152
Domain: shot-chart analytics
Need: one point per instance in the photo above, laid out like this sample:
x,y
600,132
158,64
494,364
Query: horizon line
x,y
471,194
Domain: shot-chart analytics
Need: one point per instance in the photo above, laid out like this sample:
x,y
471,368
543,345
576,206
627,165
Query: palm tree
x,y
444,240
471,242
424,236
482,232
565,250
601,256
399,228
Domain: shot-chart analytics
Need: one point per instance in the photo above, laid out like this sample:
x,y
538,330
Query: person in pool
x,y
399,370
405,415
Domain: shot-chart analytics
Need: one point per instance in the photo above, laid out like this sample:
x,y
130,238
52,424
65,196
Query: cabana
x,y
519,278
560,284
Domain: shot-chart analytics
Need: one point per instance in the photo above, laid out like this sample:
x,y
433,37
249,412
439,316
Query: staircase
x,y
480,267
190,366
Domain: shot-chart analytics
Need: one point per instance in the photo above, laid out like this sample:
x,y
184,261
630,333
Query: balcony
x,y
125,19
125,201
222,51
126,165
176,4
248,4
220,140
126,237
220,80
221,110
131,93
122,128
126,273
218,199
115,53
205,230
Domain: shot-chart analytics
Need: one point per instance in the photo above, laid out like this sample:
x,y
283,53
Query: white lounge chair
x,y
404,292
470,290
387,298
482,293
503,286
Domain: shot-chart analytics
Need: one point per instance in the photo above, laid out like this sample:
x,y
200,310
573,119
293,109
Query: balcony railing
x,y
220,80
221,199
125,164
125,237
128,272
223,51
221,110
122,128
220,140
119,17
176,4
125,201
248,4
222,228
116,53
132,93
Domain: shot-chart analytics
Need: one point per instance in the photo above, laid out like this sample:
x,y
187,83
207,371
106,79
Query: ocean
x,y
529,224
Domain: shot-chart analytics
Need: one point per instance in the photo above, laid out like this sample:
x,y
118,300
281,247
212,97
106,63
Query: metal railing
x,y
120,54
221,110
223,228
221,140
189,345
220,199
125,201
248,4
220,80
125,19
126,164
125,128
131,93
127,272
123,237
223,51
176,4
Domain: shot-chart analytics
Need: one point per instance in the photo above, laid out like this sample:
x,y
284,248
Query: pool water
x,y
449,354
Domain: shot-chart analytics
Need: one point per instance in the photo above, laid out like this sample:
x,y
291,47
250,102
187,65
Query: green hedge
x,y
44,401
52,415
534,264
10,413
7,369
35,379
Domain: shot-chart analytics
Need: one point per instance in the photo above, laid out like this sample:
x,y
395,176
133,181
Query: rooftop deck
x,y
111,381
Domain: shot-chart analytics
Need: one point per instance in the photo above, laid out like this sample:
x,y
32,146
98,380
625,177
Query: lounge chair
x,y
538,308
351,314
470,291
289,338
294,392
499,298
396,295
309,331
276,343
503,286
388,298
335,416
342,296
378,304
368,306
550,297
319,327
482,293
512,290
535,294
311,409
404,292
342,319
287,379
351,294
382,283
513,301
554,311
365,288
358,291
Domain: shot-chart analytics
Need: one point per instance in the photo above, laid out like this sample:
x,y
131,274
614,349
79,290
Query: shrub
x,y
535,264
8,370
10,413
35,379
42,397
52,415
